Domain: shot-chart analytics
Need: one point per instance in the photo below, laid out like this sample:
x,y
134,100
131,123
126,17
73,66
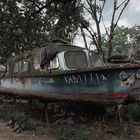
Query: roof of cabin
x,y
50,48
60,46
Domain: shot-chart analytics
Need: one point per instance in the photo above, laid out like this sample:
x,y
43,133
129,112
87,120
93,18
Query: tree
x,y
134,37
126,41
95,9
25,24
60,17
29,23
120,41
118,7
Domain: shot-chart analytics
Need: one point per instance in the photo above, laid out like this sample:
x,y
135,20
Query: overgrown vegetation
x,y
16,117
80,123
74,121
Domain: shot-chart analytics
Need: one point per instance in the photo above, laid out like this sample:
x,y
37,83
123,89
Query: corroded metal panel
x,y
105,87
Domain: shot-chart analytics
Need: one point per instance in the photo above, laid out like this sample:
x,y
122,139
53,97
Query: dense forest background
x,y
26,24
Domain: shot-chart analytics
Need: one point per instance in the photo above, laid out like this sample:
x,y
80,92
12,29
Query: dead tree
x,y
95,8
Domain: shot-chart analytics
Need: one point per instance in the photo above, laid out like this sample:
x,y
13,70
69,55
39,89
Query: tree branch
x,y
121,4
92,35
121,13
101,10
105,26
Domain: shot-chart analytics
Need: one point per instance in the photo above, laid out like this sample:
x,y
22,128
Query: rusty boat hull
x,y
110,85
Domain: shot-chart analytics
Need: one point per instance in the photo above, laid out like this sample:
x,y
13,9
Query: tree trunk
x,y
109,49
84,38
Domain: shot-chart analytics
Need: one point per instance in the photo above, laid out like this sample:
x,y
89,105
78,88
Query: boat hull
x,y
103,86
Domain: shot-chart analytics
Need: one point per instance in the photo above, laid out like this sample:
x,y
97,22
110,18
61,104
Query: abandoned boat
x,y
62,72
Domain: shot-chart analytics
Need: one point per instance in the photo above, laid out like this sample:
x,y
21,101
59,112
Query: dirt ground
x,y
41,132
6,133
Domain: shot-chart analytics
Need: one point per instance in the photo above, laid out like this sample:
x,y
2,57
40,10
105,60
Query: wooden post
x,y
14,100
119,113
30,104
45,114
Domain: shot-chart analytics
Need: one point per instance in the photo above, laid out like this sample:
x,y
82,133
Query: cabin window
x,y
36,63
21,66
25,64
75,60
95,59
16,67
54,64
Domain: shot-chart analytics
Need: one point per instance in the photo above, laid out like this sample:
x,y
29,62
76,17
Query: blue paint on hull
x,y
96,82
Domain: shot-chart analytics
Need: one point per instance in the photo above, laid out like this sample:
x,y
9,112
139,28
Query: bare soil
x,y
6,133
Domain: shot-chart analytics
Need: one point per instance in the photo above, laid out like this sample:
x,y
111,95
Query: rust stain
x,y
105,100
22,80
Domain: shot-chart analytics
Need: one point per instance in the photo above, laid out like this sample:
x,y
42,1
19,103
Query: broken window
x,y
54,64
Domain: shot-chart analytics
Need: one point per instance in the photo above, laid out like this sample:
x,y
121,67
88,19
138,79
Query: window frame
x,y
66,63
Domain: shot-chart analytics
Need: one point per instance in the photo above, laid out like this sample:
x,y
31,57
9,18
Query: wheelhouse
x,y
47,60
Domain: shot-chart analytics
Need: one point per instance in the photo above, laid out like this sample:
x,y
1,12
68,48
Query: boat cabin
x,y
51,59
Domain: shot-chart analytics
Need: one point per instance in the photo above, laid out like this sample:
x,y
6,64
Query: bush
x,y
16,117
68,130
